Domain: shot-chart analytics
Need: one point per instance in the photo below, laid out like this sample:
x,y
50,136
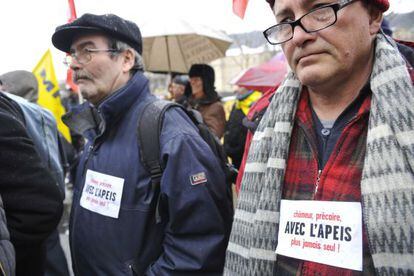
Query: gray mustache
x,y
81,75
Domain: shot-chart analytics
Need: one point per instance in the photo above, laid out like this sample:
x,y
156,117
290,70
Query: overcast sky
x,y
27,25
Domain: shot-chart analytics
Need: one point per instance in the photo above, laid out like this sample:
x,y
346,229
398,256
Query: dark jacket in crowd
x,y
236,132
406,48
7,256
251,122
192,235
32,200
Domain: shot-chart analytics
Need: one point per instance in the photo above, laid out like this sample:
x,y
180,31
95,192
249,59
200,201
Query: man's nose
x,y
300,36
74,64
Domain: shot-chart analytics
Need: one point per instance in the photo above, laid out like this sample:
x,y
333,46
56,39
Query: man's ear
x,y
375,20
129,60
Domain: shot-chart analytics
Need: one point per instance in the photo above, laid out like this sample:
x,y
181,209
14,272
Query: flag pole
x,y
69,79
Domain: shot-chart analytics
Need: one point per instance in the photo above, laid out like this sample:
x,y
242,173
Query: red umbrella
x,y
265,76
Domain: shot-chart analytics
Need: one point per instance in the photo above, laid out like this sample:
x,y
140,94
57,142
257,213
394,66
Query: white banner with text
x,y
327,232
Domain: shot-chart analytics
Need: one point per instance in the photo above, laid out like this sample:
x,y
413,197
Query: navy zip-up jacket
x,y
125,240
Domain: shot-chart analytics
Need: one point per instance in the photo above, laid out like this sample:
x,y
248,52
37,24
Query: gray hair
x,y
121,46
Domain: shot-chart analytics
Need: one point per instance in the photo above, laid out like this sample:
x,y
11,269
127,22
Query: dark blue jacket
x,y
192,237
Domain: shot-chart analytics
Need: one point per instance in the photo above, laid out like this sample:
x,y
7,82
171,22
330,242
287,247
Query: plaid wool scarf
x,y
387,183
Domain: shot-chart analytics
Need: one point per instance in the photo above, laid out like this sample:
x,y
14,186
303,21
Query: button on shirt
x,y
328,132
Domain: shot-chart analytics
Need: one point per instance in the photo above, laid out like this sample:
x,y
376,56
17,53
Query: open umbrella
x,y
264,76
173,45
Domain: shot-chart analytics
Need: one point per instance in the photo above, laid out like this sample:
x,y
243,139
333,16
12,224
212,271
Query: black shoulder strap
x,y
149,131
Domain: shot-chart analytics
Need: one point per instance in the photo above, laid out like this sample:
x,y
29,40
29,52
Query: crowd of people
x,y
331,148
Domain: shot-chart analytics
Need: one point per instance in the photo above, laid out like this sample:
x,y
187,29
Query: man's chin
x,y
312,75
85,93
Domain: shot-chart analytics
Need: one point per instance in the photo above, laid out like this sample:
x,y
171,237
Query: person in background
x,y
251,122
338,132
205,99
385,26
235,132
24,84
179,82
32,199
120,223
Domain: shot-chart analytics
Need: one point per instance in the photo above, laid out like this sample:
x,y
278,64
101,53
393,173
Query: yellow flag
x,y
49,97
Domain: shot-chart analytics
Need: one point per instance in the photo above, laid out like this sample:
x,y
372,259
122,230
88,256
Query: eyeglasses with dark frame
x,y
84,56
315,20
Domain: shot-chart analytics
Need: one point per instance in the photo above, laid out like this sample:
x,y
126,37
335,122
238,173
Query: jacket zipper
x,y
314,151
90,150
315,156
318,178
92,146
89,153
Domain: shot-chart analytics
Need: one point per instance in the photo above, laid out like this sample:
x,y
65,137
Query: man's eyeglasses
x,y
84,56
313,21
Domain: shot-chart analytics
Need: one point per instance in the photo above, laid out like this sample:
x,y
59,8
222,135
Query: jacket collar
x,y
195,103
91,121
120,101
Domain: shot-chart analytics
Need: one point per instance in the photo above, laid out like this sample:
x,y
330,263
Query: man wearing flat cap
x,y
121,224
328,186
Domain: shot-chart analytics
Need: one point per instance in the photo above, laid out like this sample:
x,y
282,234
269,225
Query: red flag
x,y
239,7
69,78
72,10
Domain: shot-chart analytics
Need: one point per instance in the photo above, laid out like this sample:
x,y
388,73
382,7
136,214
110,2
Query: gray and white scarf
x,y
387,183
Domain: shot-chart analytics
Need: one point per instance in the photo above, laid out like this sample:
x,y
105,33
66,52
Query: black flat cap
x,y
109,24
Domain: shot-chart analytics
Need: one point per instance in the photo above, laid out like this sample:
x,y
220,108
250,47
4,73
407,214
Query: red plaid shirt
x,y
339,180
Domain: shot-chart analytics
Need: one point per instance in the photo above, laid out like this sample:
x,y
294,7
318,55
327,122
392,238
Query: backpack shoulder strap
x,y
149,131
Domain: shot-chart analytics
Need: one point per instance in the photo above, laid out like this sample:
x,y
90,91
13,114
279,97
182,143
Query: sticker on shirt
x,y
198,178
327,232
102,193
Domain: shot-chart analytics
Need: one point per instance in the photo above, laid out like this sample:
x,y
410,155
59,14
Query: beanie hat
x,y
382,5
202,70
206,73
21,83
